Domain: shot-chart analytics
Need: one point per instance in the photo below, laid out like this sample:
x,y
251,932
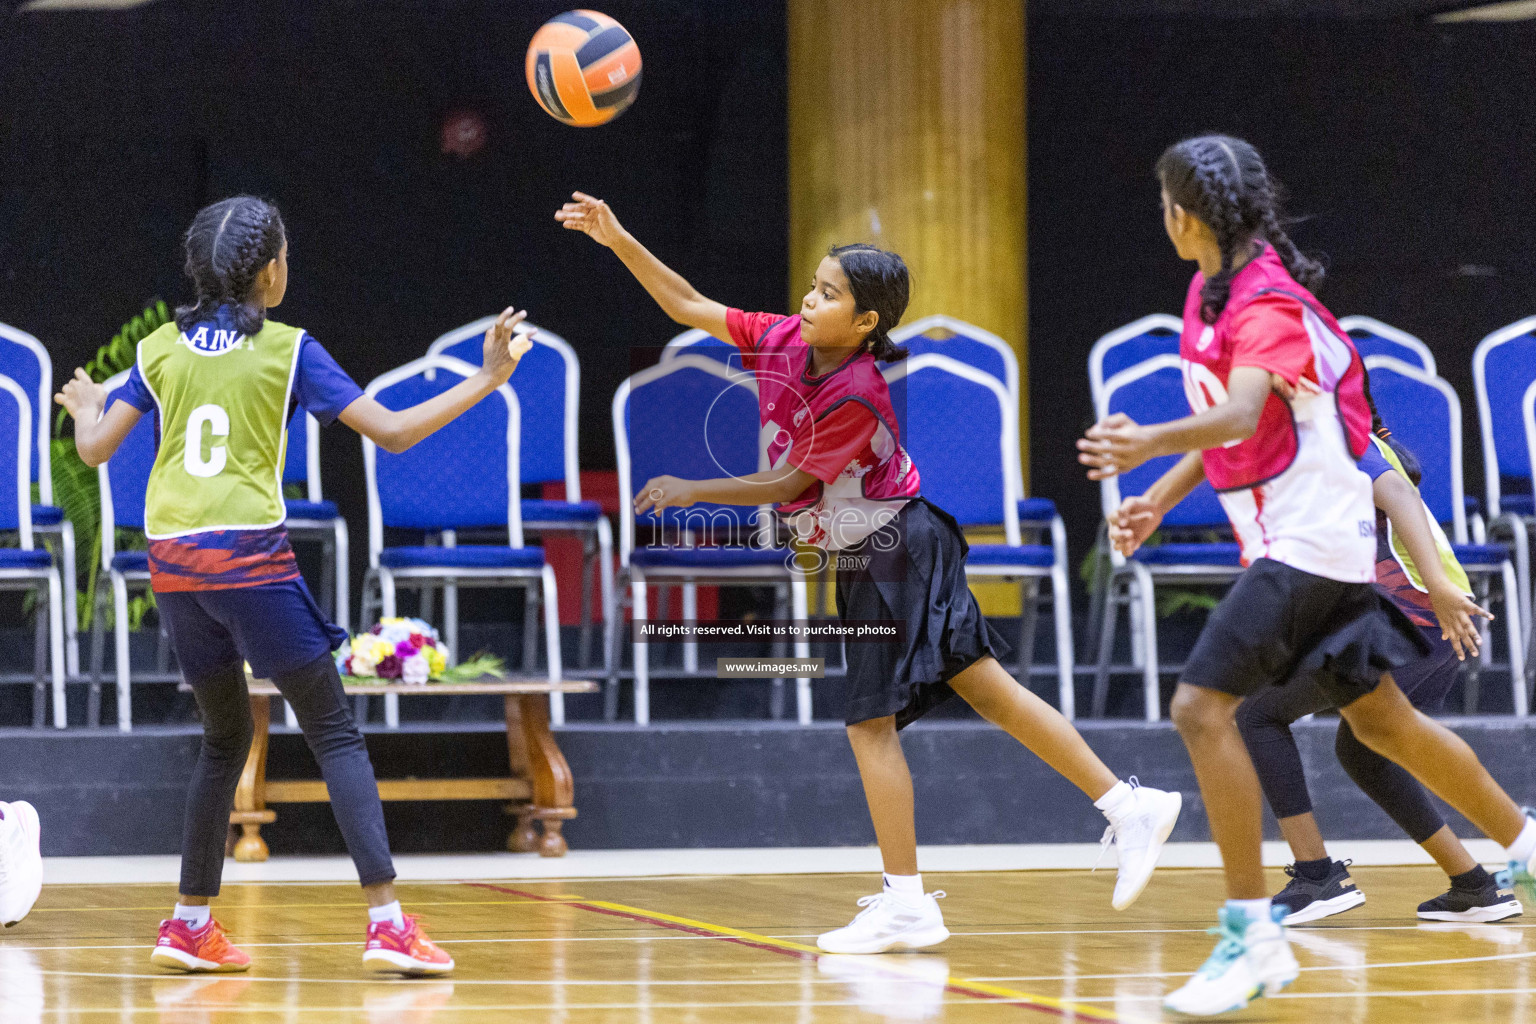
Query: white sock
x,y
1116,800
908,887
1257,911
195,917
1525,843
390,912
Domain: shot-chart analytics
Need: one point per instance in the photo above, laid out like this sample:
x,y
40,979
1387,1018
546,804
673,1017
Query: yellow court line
x,y
963,985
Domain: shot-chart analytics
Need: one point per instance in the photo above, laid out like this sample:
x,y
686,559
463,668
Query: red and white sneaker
x,y
202,951
404,950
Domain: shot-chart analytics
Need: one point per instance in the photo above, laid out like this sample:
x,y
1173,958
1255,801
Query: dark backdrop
x,y
116,128
1410,147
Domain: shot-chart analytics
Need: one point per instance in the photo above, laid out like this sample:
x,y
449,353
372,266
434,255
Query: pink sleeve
x,y
748,328
1269,333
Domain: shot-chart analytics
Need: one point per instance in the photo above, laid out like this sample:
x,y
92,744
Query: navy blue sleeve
x,y
1372,464
133,391
321,386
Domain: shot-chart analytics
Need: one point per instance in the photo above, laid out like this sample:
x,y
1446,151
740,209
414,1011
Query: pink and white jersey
x,y
838,427
1292,491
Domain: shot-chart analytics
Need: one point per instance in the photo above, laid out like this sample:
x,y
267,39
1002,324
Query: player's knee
x,y
1198,712
1380,733
229,737
872,731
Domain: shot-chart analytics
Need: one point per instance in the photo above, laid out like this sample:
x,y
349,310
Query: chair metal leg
x,y
584,637
1515,628
387,603
451,605
343,577
798,601
120,641
1029,621
40,664
71,600
1146,598
779,649
531,629
690,616
57,647
1106,648
641,652
552,643
606,589
1099,583
98,644
1066,657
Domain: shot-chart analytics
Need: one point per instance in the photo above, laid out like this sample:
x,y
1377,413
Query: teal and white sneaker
x,y
1518,876
1251,959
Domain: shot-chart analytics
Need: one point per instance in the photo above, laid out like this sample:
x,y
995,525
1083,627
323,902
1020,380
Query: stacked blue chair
x,y
1423,412
124,481
26,567
314,518
1503,367
24,359
1152,391
548,388
694,417
1374,338
463,476
960,425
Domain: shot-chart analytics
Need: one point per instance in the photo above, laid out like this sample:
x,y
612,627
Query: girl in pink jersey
x,y
1305,611
842,481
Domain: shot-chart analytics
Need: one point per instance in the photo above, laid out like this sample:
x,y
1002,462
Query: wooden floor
x,y
1026,946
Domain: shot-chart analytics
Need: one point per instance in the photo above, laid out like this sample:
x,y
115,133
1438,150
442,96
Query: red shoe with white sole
x,y
404,950
205,950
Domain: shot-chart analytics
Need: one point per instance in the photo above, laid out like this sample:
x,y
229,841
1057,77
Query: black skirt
x,y
910,572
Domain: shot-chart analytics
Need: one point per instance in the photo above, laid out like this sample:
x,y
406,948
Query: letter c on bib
x,y
192,450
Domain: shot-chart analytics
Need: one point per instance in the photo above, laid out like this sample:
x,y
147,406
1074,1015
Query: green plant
x,y
75,486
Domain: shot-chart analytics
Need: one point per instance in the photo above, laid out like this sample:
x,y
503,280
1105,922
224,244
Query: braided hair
x,y
1222,180
878,281
228,245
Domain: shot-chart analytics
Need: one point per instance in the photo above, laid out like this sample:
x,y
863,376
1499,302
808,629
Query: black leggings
x,y
314,691
1265,721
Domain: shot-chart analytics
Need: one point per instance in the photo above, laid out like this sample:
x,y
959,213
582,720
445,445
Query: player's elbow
x,y
395,441
1244,420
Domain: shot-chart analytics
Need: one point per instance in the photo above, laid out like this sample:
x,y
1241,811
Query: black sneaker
x,y
1490,903
1307,900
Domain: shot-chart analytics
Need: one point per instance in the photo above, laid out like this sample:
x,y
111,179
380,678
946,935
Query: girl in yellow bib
x,y
219,380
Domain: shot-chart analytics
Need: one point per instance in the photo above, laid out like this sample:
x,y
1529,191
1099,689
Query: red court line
x,y
787,950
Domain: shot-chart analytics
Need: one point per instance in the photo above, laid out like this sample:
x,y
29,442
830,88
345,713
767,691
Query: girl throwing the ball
x,y
842,481
219,380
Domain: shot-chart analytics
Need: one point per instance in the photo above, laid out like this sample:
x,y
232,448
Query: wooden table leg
x,y
534,755
251,811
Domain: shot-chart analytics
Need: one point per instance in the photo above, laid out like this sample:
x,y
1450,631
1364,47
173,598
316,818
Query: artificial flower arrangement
x,y
408,651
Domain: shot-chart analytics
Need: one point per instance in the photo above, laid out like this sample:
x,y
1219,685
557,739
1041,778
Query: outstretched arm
x,y
395,431
771,486
97,436
676,297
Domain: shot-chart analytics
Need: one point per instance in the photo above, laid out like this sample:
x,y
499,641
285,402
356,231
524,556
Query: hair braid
x,y
228,245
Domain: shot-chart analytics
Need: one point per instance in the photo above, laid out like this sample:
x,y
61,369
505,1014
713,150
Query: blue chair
x,y
1424,413
1125,347
946,411
314,518
696,418
25,567
1374,338
548,388
1503,367
463,476
24,359
1152,391
124,480
697,342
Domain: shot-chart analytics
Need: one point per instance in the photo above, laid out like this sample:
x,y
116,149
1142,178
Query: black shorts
x,y
1279,625
911,571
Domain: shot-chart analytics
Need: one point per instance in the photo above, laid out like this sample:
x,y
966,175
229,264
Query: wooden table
x,y
538,788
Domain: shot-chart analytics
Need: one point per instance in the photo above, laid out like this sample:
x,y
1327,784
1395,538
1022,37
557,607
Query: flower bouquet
x,y
407,651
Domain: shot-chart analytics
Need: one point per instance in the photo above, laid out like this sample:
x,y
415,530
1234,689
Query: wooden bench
x,y
538,788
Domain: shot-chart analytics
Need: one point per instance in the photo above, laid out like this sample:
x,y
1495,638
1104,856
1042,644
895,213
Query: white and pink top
x,y
839,427
1292,491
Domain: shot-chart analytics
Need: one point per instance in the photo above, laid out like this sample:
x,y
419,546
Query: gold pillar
x,y
906,130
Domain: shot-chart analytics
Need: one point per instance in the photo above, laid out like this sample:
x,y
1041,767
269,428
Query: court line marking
x,y
960,986
315,906
1363,966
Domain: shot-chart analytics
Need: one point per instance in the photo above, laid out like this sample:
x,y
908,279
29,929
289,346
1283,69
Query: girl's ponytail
x,y
879,281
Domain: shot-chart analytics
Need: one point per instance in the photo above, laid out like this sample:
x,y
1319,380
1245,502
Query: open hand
x,y
1457,614
82,397
592,216
1114,445
662,492
506,342
1132,523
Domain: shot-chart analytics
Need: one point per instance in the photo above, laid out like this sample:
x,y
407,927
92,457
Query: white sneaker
x,y
1251,959
21,861
889,922
1139,831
